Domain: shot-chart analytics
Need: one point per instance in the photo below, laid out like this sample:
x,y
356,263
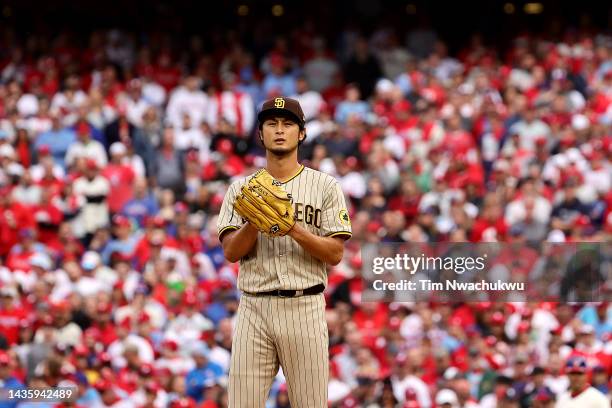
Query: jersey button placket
x,y
281,268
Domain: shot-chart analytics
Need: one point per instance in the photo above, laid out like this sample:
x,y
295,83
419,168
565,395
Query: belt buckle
x,y
280,293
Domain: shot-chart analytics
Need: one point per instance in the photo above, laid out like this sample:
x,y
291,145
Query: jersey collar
x,y
294,176
575,394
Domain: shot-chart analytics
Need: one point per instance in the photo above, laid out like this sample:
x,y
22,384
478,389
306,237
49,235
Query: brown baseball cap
x,y
282,106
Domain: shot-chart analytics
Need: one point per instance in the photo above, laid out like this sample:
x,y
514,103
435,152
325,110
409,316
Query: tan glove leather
x,y
266,205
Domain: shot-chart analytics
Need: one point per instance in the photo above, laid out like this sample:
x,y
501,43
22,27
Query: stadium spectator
x,y
112,276
232,105
188,99
168,165
580,393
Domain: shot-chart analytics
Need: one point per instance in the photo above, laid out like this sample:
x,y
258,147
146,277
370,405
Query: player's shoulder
x,y
238,182
596,395
324,179
590,394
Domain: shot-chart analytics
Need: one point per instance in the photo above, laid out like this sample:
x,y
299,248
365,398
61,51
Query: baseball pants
x,y
273,331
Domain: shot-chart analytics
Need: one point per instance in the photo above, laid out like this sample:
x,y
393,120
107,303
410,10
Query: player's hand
x,y
250,226
266,205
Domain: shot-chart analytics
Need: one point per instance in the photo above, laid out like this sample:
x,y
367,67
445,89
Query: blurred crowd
x,y
115,157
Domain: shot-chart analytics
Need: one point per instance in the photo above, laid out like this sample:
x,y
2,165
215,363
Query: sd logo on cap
x,y
279,103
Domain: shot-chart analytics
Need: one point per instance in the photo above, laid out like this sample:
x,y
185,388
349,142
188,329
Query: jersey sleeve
x,y
229,220
335,217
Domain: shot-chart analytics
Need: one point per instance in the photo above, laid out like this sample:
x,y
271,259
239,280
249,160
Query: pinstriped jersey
x,y
281,263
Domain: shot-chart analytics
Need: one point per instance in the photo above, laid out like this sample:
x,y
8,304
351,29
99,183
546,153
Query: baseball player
x,y
284,224
580,393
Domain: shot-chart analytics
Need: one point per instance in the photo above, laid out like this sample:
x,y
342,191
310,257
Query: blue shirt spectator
x,y
143,204
248,85
206,373
404,83
218,309
9,383
278,83
347,109
123,246
89,398
599,317
216,256
352,105
140,208
58,140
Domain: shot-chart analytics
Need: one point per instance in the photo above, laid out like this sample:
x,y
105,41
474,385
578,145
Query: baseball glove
x,y
266,205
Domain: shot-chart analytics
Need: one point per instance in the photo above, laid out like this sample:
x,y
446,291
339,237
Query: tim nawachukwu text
x,y
428,285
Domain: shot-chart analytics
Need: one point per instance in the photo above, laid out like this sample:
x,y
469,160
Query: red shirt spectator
x,y
371,318
490,227
10,315
13,218
165,74
154,240
48,218
120,176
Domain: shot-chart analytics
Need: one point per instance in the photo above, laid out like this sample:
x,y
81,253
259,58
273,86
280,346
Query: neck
x,y
282,167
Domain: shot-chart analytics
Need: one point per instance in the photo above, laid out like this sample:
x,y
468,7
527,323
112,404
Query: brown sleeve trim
x,y
340,233
227,229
